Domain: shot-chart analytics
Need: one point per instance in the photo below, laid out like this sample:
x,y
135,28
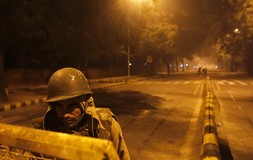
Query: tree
x,y
244,17
62,32
29,39
237,41
198,25
158,40
6,30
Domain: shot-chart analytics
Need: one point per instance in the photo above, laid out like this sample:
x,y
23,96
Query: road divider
x,y
210,149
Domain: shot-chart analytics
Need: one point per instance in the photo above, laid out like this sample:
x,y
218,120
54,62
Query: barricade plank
x,y
28,141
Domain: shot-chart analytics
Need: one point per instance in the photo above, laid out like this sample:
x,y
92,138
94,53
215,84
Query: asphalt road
x,y
162,117
235,97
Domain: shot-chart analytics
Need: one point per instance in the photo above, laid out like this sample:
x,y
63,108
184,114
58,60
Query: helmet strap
x,y
83,106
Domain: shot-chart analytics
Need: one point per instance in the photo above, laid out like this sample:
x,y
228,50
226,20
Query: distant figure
x,y
204,71
72,110
199,70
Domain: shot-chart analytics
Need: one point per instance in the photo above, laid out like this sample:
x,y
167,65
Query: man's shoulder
x,y
102,113
104,116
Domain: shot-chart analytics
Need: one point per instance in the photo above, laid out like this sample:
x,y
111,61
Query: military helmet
x,y
67,83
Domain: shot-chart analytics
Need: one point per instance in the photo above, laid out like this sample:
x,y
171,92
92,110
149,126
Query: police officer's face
x,y
69,112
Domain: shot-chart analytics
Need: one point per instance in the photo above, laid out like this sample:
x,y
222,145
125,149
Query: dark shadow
x,y
225,150
125,102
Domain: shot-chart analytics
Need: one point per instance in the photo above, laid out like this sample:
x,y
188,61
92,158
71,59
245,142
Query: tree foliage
x,y
245,17
55,33
81,33
237,40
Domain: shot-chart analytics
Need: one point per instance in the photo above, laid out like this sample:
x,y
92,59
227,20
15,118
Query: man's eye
x,y
73,105
58,105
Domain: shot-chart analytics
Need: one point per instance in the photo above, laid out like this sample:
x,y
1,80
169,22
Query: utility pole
x,y
128,49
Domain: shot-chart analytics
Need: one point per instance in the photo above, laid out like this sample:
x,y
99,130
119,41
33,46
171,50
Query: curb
x,y
25,103
210,149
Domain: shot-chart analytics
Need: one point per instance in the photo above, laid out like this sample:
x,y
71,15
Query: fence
x,y
21,143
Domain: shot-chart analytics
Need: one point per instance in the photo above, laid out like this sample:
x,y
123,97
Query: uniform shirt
x,y
96,122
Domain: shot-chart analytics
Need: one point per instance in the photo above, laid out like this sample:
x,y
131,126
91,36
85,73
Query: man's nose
x,y
66,115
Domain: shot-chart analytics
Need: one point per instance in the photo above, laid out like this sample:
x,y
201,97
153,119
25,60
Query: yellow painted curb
x,y
209,100
36,101
209,96
210,138
25,103
209,105
18,105
210,158
209,112
28,103
44,99
7,107
209,122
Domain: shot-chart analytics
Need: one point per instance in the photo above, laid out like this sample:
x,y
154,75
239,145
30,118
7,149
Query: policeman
x,y
68,91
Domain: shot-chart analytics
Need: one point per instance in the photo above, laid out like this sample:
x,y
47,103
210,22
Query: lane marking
x,y
238,106
196,82
221,82
167,82
176,82
197,88
186,82
186,149
231,83
217,85
241,82
231,95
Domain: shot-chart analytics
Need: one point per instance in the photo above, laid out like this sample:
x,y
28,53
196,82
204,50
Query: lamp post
x,y
128,50
136,2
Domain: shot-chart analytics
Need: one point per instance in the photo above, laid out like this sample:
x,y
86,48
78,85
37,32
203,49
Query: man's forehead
x,y
67,101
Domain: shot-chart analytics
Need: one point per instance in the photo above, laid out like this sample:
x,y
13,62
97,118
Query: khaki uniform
x,y
98,123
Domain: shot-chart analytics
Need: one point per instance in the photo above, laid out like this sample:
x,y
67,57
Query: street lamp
x,y
140,1
128,49
136,2
236,31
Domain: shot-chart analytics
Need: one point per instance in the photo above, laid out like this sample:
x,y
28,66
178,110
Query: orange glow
x,y
140,1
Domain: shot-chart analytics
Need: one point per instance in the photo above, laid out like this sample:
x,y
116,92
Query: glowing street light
x,y
140,1
237,31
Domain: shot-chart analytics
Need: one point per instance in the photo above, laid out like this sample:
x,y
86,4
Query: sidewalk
x,y
24,96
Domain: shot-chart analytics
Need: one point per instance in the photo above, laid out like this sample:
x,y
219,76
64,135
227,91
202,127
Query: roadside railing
x,y
18,143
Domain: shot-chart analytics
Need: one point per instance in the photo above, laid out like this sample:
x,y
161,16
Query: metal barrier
x,y
21,143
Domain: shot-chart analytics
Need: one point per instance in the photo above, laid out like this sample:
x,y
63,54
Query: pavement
x,y
31,94
27,95
23,96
